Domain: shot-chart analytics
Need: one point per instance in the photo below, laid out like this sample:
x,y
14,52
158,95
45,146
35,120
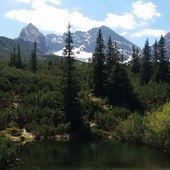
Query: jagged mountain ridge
x,y
31,33
84,42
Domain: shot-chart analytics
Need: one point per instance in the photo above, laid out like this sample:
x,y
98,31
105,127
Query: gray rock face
x,y
31,33
54,42
167,44
87,40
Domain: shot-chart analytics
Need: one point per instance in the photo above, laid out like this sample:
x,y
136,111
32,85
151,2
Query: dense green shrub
x,y
99,134
157,128
153,95
35,102
4,119
8,152
63,128
131,129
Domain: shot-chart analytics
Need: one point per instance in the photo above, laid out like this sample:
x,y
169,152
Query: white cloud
x,y
125,21
23,1
145,11
43,16
55,2
81,22
149,32
51,18
47,16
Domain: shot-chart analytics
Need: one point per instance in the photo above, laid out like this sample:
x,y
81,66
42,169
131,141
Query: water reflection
x,y
77,155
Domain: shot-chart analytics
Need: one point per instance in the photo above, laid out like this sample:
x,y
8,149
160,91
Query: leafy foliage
x,y
157,128
8,152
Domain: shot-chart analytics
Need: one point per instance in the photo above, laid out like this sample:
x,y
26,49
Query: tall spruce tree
x,y
13,61
71,102
33,61
162,73
119,87
111,56
155,61
18,58
99,66
135,63
111,61
146,68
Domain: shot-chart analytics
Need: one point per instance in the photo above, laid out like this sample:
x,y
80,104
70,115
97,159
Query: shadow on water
x,y
75,155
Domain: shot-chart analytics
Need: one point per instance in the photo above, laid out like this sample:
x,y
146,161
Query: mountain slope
x,y
84,42
30,33
7,45
167,44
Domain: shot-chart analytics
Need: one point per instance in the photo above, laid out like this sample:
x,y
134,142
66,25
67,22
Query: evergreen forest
x,y
105,99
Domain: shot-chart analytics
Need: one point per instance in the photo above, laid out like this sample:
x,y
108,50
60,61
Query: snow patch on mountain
x,y
78,54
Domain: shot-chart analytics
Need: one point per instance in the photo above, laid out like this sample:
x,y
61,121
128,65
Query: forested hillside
x,y
104,99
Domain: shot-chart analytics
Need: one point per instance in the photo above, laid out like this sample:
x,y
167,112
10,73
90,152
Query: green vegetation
x,y
33,61
8,153
66,97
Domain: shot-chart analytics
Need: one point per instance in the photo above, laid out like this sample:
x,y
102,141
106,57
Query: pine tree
x,y
163,62
135,63
146,68
72,108
99,66
12,62
19,60
119,88
111,61
34,67
111,57
155,61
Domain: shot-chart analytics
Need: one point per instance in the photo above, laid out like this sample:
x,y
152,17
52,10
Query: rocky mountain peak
x,y
31,33
84,42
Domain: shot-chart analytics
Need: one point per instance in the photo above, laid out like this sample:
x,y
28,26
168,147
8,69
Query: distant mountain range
x,y
84,42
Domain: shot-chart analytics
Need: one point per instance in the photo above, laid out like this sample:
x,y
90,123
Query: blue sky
x,y
136,20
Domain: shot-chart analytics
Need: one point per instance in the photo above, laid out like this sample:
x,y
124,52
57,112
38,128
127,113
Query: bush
x,y
105,121
131,129
157,128
4,119
98,134
153,95
63,128
8,152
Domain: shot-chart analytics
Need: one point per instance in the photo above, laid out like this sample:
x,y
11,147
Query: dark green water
x,y
77,155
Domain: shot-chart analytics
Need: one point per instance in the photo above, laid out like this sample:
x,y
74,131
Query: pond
x,y
78,155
